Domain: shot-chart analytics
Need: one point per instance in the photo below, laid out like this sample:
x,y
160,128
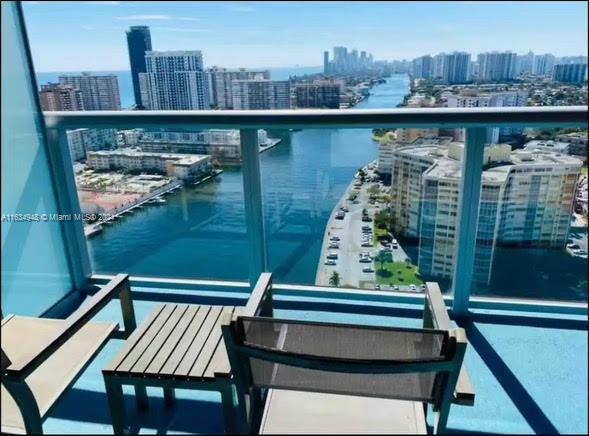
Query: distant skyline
x,y
90,35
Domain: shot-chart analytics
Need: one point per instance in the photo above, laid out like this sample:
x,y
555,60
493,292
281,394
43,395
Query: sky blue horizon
x,y
90,35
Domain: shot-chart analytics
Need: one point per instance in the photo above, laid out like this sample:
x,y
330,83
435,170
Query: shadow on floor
x,y
187,415
528,321
522,400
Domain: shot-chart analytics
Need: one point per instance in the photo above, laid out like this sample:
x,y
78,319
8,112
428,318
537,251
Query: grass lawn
x,y
378,233
584,171
397,273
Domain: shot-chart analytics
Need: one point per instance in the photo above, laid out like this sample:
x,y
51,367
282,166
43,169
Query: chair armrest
x,y
260,301
27,364
436,316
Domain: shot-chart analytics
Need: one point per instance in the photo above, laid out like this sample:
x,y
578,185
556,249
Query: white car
x,y
412,288
368,269
334,245
330,262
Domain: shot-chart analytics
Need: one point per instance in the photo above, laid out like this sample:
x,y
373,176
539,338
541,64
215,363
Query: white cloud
x,y
188,19
145,17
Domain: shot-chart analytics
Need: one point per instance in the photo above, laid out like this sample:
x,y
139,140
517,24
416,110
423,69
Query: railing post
x,y
468,214
68,204
252,196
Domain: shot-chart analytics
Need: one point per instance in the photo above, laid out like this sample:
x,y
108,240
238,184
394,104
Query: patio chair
x,y
43,357
311,377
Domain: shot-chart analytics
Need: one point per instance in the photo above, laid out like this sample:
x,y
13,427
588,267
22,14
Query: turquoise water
x,y
200,232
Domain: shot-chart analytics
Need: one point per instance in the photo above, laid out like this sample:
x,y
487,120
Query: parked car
x,y
395,287
365,260
367,244
368,269
412,288
573,246
344,209
334,245
330,262
335,238
366,219
332,255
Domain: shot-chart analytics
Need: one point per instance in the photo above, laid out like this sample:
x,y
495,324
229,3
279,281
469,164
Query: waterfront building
x,y
100,92
138,43
175,80
452,67
495,66
128,138
81,141
319,94
570,73
56,97
223,145
423,67
346,62
220,83
526,200
261,94
474,98
577,142
181,166
543,64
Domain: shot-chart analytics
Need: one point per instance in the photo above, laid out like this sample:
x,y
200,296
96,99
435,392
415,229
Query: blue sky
x,y
90,35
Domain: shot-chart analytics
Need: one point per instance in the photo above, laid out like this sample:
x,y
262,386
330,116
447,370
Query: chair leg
x,y
169,397
141,397
228,407
116,403
27,405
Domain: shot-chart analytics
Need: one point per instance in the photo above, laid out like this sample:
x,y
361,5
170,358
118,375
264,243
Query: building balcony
x,y
527,336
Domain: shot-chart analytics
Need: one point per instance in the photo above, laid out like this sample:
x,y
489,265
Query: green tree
x,y
334,280
381,258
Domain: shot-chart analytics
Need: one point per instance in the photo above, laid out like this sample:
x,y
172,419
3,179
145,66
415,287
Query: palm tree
x,y
381,258
334,280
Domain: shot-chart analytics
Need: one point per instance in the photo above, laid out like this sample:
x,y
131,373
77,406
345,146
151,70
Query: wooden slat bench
x,y
179,346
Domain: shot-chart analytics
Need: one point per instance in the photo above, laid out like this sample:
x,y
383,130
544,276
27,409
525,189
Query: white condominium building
x,y
261,94
473,98
175,80
526,200
81,141
220,84
181,166
99,92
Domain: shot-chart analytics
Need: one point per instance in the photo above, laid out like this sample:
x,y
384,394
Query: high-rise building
x,y
570,73
138,42
99,92
496,66
543,64
526,201
326,62
319,94
261,94
220,83
525,63
423,67
56,97
452,67
175,80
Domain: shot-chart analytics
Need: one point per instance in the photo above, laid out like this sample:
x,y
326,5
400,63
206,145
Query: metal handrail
x,y
546,116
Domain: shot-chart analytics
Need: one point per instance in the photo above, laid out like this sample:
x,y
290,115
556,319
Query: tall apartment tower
x,y
56,97
175,80
423,67
99,92
452,67
543,64
496,66
570,73
261,94
220,83
138,42
525,63
325,62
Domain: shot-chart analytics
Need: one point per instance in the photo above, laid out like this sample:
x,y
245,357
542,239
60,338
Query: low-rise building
x,y
555,146
318,94
181,166
81,141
